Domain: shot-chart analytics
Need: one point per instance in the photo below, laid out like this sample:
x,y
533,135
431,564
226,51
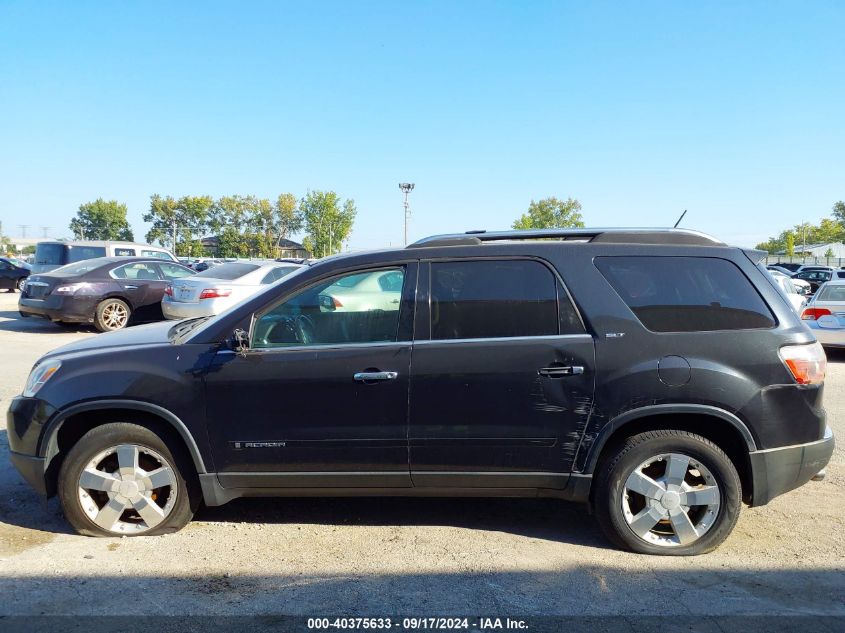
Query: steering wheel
x,y
306,331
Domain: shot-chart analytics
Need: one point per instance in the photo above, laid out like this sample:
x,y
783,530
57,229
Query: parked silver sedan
x,y
825,314
217,289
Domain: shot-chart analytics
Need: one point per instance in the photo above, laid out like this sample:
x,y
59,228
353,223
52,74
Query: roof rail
x,y
607,236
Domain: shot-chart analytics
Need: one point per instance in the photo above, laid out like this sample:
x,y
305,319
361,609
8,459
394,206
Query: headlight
x,y
39,375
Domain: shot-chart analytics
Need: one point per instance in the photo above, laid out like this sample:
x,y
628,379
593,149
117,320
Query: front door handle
x,y
560,371
130,287
370,376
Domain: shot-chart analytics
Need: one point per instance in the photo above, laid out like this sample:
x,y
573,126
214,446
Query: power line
x,y
23,228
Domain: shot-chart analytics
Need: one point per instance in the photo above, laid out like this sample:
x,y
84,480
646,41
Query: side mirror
x,y
240,338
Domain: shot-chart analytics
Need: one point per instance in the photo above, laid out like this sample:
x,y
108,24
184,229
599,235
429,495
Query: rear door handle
x,y
368,376
560,371
130,287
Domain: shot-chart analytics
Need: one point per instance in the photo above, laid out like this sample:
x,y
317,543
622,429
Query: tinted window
x,y
277,273
230,271
174,271
124,252
50,254
81,253
492,299
140,271
686,294
333,312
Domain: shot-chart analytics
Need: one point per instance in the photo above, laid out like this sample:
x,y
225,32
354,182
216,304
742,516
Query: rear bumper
x,y
828,337
779,470
179,310
59,308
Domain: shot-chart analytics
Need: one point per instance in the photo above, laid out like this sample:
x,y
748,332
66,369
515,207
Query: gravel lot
x,y
401,557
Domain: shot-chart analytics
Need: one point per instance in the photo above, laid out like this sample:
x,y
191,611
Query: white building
x,y
819,250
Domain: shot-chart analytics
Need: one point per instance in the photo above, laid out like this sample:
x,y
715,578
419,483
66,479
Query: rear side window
x,y
686,294
81,253
492,299
156,254
124,252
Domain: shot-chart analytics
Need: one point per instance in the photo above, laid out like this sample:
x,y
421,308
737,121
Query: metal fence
x,y
838,262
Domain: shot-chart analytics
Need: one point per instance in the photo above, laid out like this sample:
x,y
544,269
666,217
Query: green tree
x,y
790,244
287,217
101,220
328,223
551,213
184,220
829,253
838,212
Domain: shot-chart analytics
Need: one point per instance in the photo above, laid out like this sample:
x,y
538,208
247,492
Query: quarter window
x,y
686,294
492,299
343,310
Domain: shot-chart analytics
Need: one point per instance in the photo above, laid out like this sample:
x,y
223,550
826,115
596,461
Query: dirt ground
x,y
407,556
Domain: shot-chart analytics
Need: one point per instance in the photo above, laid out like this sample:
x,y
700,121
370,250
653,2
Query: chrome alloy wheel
x,y
127,489
671,500
115,316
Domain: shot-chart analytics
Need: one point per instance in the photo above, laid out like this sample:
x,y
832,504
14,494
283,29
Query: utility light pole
x,y
406,188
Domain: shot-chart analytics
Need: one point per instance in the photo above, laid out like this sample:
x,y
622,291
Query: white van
x,y
51,254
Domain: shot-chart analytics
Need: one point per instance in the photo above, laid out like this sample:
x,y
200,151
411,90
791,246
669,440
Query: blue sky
x,y
733,110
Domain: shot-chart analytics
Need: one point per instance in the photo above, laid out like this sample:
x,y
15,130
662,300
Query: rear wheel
x,y
668,492
21,283
121,479
112,314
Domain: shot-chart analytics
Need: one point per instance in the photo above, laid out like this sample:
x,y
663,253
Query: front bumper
x,y
779,470
32,470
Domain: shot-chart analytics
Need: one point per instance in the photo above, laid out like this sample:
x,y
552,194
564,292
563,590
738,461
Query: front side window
x,y
492,299
139,271
174,271
346,309
686,294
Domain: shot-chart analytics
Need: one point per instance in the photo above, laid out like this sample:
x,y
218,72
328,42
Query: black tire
x,y
103,319
613,472
21,283
101,439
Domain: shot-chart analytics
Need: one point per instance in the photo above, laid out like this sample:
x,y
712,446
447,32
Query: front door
x,y
502,384
321,397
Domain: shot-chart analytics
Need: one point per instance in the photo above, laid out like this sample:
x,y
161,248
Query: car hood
x,y
152,334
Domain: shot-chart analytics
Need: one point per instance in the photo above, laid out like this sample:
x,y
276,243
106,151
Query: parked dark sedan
x,y
13,274
109,292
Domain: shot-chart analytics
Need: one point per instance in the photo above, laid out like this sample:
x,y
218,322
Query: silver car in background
x,y
825,314
796,298
217,289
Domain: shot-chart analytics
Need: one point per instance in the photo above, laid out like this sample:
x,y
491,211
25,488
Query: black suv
x,y
659,375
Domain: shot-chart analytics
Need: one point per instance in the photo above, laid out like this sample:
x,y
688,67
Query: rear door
x,y
501,378
141,283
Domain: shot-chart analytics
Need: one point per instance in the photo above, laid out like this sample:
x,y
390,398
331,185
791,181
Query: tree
x,y
180,223
327,221
287,216
838,212
101,220
790,244
551,213
829,253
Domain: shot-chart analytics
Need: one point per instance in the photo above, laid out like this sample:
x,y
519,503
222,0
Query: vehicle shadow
x,y
546,519
835,355
14,322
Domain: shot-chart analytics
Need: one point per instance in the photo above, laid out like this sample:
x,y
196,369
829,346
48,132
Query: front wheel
x,y
121,479
21,283
668,492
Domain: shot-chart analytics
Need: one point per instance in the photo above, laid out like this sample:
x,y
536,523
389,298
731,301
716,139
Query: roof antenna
x,y
679,219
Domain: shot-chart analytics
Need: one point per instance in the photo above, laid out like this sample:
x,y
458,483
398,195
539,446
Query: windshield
x,y
228,271
79,268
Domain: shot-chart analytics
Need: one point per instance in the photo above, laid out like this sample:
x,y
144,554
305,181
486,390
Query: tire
x,y
103,494
639,484
111,315
21,283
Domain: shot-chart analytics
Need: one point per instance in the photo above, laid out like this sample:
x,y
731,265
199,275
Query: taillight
x,y
811,314
214,293
169,291
806,363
